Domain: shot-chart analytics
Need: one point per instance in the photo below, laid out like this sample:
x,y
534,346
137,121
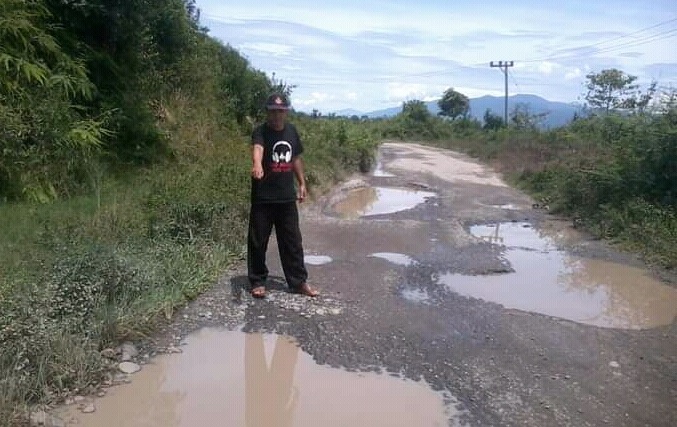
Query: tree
x,y
522,117
610,90
640,102
44,131
492,121
416,111
453,104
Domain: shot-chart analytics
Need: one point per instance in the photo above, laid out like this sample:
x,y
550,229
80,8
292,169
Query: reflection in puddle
x,y
380,172
279,385
420,296
549,281
395,258
317,259
378,201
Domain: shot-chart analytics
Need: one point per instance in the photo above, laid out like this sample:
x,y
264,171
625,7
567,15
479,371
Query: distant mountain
x,y
559,113
349,112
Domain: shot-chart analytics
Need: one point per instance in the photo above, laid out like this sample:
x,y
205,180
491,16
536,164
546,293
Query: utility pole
x,y
503,65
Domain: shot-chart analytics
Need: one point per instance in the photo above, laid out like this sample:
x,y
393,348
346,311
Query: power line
x,y
644,40
631,43
512,77
660,24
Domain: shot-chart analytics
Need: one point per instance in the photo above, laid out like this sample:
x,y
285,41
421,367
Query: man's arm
x,y
297,164
257,160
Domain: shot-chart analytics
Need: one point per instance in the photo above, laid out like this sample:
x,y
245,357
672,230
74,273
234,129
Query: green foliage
x,y
415,111
492,121
614,90
44,134
453,104
334,149
522,118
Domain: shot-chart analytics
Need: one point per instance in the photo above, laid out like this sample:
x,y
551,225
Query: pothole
x,y
550,281
237,379
367,201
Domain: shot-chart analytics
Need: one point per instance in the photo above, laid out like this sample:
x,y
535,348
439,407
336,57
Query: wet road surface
x,y
446,300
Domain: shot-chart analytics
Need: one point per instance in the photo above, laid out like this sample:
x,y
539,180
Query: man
x,y
276,158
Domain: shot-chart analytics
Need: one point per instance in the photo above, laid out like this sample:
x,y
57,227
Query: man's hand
x,y
302,193
257,171
257,160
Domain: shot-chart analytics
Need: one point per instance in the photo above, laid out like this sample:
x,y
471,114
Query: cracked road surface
x,y
435,271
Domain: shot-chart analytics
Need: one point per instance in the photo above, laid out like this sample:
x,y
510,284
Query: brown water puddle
x,y
549,281
378,201
229,378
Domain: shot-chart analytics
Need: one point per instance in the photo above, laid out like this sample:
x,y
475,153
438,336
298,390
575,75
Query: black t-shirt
x,y
279,149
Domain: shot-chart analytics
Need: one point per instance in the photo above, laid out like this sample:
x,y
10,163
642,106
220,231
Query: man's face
x,y
276,119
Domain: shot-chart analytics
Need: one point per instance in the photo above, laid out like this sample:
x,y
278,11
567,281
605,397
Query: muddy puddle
x,y
550,281
368,201
229,378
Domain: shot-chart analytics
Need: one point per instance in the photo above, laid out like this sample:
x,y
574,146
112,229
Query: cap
x,y
277,101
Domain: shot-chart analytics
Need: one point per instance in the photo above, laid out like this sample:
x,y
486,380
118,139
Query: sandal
x,y
259,292
305,289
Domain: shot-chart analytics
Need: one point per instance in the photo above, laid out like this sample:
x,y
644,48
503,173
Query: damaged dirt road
x,y
447,299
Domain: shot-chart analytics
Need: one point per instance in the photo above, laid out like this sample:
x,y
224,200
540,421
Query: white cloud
x,y
547,67
372,54
573,74
472,92
411,91
312,99
269,48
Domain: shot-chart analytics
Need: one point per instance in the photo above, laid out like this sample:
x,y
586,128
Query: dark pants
x,y
285,218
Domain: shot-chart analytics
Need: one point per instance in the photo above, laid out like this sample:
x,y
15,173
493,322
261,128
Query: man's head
x,y
277,106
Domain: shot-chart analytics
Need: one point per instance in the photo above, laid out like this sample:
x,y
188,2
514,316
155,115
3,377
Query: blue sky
x,y
373,54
